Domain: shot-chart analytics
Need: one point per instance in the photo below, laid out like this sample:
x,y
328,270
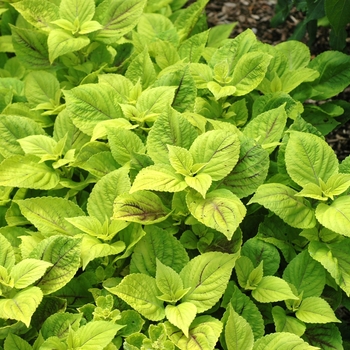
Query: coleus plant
x,y
163,186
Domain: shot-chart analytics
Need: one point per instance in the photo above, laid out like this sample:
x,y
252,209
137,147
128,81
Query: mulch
x,y
256,15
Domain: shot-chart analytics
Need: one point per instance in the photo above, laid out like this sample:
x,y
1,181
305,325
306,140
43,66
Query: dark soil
x,y
256,15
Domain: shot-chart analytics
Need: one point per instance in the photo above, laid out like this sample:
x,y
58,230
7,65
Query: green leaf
x,y
335,216
334,258
14,342
64,255
181,315
31,47
238,333
13,128
140,292
143,207
309,158
48,214
243,268
246,308
39,145
90,104
22,305
267,128
192,48
282,341
336,185
334,70
257,251
158,244
251,169
296,52
249,71
315,310
337,14
272,289
207,275
102,196
220,91
218,150
326,336
203,334
220,210
306,274
59,325
26,172
82,9
94,335
7,254
123,144
284,323
166,179
169,129
117,18
27,271
282,200
60,42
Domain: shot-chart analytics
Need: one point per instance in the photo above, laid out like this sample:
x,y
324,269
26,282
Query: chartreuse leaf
x,y
243,268
7,254
203,334
117,18
92,248
315,310
123,144
158,244
27,271
169,129
13,128
22,305
48,214
335,259
238,333
335,216
14,342
249,72
61,42
296,53
102,196
160,177
71,10
218,150
143,207
336,185
200,182
207,275
272,289
140,292
94,335
306,274
282,341
251,169
168,281
282,200
220,91
267,128
220,210
309,158
26,172
284,323
64,255
89,104
180,159
181,315
42,88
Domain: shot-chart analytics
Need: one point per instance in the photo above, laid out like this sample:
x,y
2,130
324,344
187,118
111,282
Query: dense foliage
x,y
163,186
